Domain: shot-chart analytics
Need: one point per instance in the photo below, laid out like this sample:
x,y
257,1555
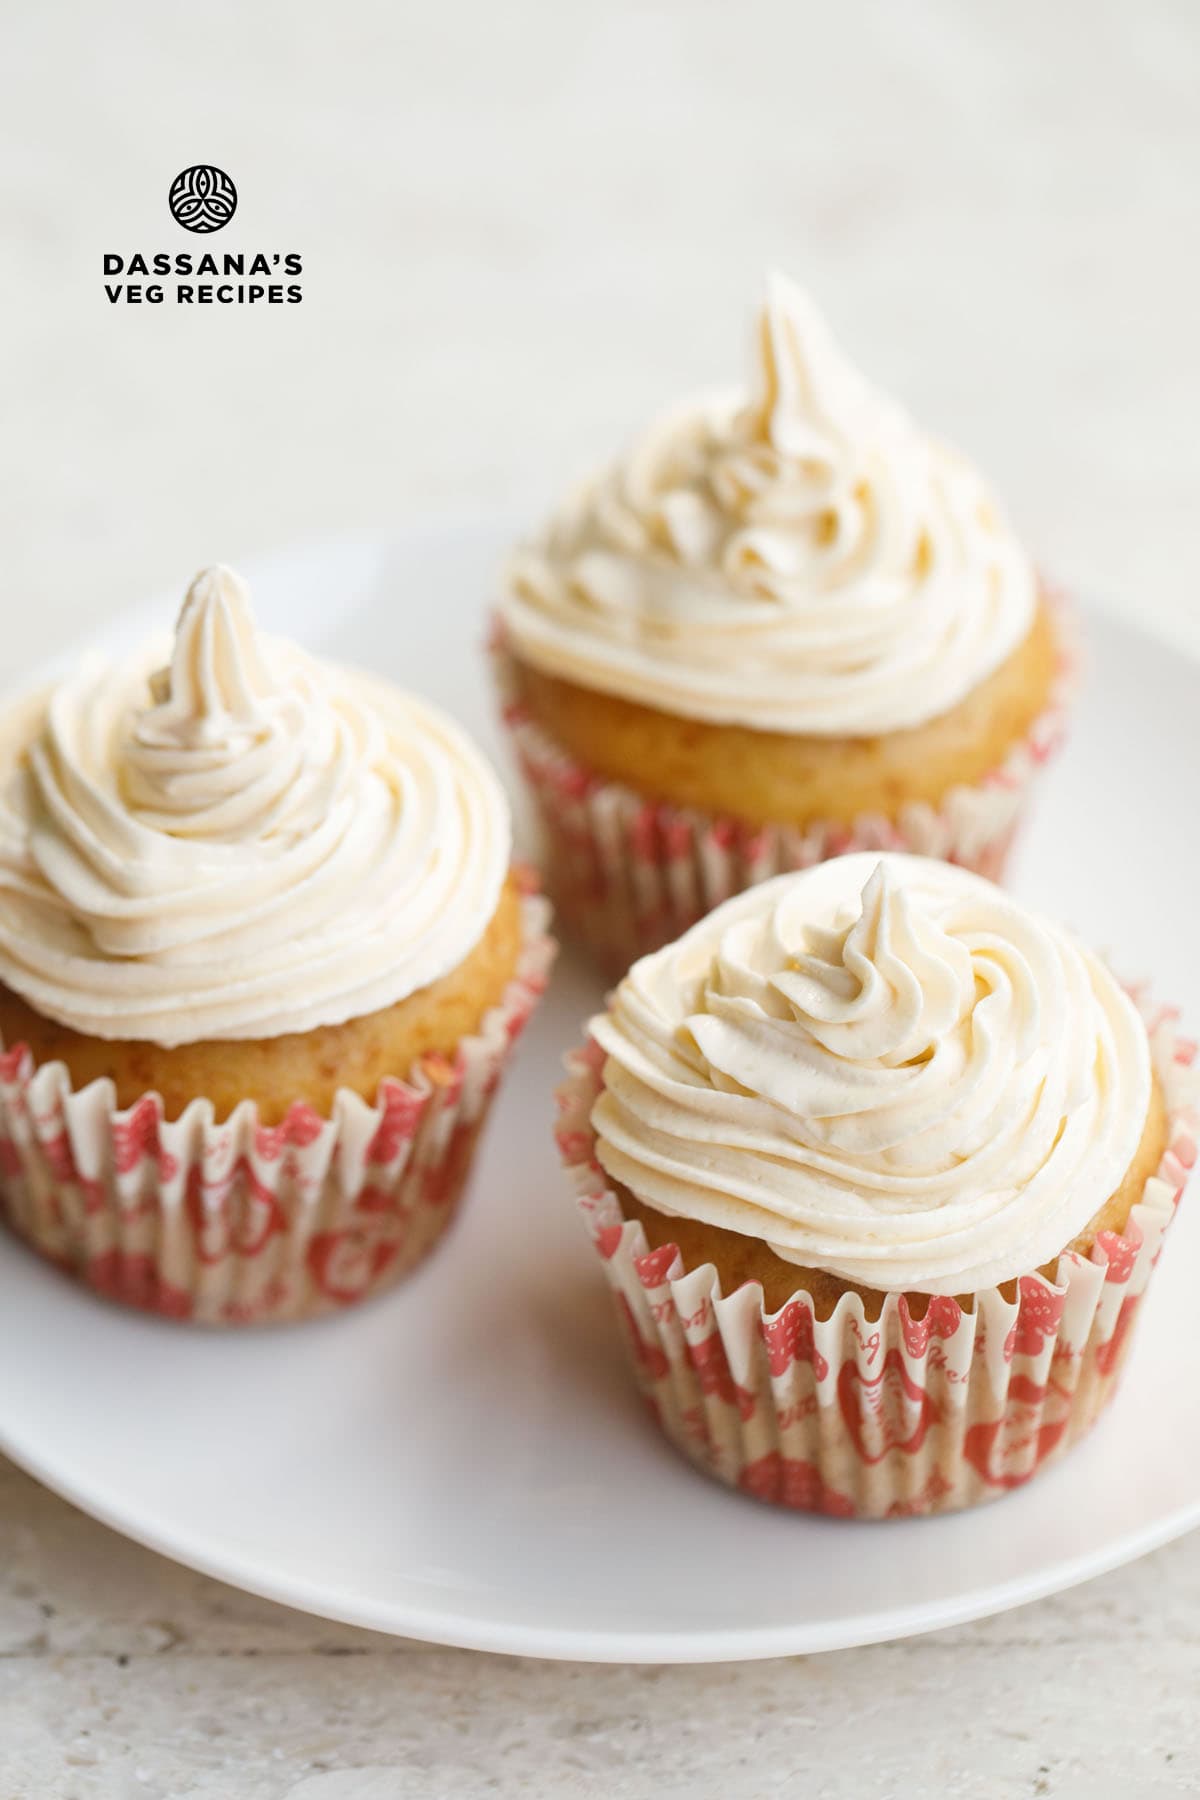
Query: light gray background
x,y
523,226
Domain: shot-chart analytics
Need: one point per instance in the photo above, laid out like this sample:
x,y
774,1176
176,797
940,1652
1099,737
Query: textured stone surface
x,y
124,1675
522,225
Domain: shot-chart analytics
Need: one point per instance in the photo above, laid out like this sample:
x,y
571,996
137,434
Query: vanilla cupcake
x,y
879,1164
786,625
262,959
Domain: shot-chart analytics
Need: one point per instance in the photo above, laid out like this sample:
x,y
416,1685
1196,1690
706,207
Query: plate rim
x,y
555,1644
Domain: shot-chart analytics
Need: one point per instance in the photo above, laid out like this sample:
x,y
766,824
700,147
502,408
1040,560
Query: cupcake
x,y
878,1163
787,625
262,960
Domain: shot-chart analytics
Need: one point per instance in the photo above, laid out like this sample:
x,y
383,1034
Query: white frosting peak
x,y
807,400
883,1067
216,672
225,747
240,842
796,557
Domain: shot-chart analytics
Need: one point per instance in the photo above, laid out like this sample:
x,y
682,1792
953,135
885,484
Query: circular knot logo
x,y
202,198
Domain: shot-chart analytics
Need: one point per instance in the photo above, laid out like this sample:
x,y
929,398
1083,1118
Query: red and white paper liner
x,y
629,874
239,1222
891,1417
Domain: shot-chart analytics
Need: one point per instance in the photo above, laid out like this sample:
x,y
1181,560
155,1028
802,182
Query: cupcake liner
x,y
629,874
890,1417
239,1222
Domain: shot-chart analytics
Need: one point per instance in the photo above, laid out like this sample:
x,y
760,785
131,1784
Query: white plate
x,y
494,1483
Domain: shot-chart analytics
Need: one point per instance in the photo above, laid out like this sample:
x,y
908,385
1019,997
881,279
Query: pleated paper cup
x,y
238,1222
629,874
883,1418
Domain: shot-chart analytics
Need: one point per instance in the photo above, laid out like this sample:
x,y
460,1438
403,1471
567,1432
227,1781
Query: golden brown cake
x,y
738,1259
308,1066
772,777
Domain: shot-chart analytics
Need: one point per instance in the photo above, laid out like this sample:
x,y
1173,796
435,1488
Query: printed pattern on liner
x,y
629,874
238,1223
895,1417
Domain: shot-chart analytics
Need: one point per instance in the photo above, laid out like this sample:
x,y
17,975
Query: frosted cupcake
x,y
786,625
879,1164
262,960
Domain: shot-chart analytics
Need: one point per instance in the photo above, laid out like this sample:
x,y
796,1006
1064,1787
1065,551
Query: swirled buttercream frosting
x,y
239,842
882,1067
797,557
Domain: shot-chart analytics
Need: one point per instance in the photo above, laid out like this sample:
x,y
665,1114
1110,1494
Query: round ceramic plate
x,y
465,1460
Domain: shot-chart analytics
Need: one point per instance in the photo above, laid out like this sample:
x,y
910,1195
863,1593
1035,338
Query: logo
x,y
202,198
